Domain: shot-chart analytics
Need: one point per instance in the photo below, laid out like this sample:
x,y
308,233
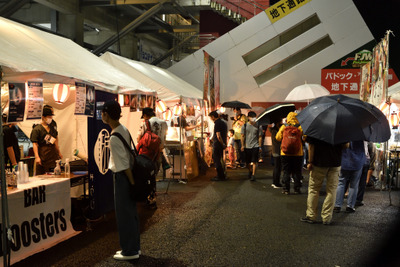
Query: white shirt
x,y
119,155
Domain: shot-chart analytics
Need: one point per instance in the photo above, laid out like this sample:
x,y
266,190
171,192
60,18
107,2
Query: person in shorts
x,y
251,143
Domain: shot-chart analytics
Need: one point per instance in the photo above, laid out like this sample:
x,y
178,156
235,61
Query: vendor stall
x,y
40,68
176,99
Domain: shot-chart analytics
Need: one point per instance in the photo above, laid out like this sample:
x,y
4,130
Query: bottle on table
x,y
67,167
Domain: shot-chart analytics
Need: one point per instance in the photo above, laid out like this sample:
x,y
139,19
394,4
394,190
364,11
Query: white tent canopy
x,y
28,53
167,85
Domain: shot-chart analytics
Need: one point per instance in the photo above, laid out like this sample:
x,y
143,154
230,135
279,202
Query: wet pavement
x,y
239,223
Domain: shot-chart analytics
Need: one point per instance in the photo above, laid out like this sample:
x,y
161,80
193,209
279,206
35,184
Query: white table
x,y
39,213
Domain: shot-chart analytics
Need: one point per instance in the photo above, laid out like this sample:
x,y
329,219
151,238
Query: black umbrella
x,y
337,119
235,104
275,112
378,131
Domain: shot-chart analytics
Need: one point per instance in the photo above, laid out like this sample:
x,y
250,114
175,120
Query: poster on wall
x,y
133,103
217,83
365,82
142,101
90,98
206,75
211,82
80,98
35,100
379,72
127,101
16,102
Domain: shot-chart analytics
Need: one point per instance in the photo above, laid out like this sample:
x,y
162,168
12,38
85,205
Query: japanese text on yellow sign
x,y
283,8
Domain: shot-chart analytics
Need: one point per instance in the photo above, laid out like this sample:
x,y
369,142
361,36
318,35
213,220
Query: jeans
x,y
363,183
126,214
218,153
240,157
292,165
353,177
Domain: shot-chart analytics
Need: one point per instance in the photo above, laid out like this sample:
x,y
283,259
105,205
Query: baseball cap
x,y
47,111
148,112
113,109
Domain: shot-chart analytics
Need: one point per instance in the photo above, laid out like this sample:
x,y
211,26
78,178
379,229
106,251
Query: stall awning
x,y
29,53
167,85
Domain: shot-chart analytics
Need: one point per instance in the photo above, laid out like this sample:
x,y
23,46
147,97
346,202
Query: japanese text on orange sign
x,y
340,81
283,8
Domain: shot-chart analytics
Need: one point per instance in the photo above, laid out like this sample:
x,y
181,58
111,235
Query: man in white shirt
x,y
119,164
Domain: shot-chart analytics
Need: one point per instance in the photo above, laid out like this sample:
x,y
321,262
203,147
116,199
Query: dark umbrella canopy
x,y
337,119
378,131
235,104
275,112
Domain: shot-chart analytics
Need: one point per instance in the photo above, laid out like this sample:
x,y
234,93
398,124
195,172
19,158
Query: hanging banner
x,y
365,82
35,100
217,83
379,71
80,98
283,8
206,74
90,98
16,102
211,82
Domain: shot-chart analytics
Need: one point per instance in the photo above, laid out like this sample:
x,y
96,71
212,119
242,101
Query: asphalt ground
x,y
239,223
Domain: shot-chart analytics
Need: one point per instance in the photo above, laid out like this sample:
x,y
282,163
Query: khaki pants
x,y
317,176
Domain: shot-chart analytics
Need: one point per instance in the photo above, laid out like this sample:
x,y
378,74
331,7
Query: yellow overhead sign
x,y
283,8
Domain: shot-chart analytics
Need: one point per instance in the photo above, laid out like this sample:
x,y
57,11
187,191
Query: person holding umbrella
x,y
324,161
291,134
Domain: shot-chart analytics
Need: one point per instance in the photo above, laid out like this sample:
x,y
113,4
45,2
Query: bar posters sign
x,y
80,98
35,100
16,102
283,8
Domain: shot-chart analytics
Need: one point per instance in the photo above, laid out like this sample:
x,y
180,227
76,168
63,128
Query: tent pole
x,y
3,185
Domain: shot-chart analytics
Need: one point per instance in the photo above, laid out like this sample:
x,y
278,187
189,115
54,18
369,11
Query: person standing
x,y
238,121
276,154
44,137
353,160
251,143
367,170
291,152
218,144
159,127
231,149
119,164
10,143
324,161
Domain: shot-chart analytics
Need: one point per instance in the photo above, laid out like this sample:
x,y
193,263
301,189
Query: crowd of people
x,y
345,167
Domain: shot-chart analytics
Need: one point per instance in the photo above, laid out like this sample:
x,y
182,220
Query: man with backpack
x,y
119,164
251,142
150,142
291,137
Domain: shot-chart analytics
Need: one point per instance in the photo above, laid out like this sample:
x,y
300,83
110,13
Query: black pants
x,y
239,153
218,152
292,165
276,176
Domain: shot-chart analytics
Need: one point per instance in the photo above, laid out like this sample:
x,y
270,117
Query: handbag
x,y
143,168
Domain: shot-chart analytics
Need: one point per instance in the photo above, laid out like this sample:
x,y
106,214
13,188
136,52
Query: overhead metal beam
x,y
131,26
160,59
11,7
133,2
184,12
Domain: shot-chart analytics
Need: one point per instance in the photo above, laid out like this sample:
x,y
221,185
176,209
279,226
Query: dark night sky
x,y
381,16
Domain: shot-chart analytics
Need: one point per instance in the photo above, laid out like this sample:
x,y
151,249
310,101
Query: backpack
x,y
149,144
291,141
143,169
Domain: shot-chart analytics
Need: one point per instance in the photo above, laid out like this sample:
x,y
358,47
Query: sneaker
x,y
120,251
336,209
217,179
359,203
252,178
119,256
307,220
285,192
276,186
350,210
